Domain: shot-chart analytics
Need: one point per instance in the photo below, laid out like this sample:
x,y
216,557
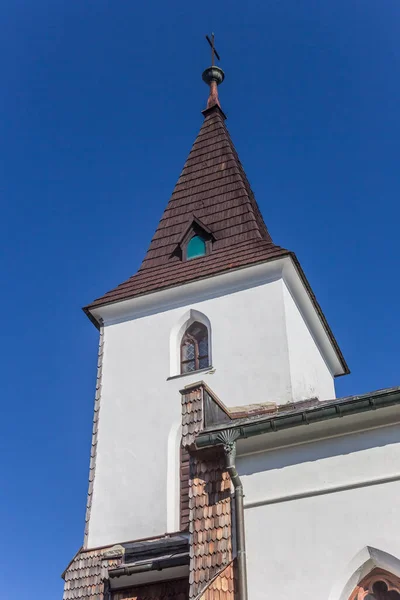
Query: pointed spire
x,y
213,76
212,193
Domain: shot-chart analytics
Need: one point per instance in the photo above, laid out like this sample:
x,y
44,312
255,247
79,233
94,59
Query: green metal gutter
x,y
245,428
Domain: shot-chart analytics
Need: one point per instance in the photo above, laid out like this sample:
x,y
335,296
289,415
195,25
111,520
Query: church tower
x,y
216,301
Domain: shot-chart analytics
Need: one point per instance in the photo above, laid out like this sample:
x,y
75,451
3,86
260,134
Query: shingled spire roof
x,y
214,188
212,191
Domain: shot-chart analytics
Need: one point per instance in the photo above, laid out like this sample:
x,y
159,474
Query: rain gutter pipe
x,y
229,445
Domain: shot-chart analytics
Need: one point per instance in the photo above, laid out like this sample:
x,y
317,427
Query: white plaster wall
x,y
301,547
140,409
310,376
250,352
261,352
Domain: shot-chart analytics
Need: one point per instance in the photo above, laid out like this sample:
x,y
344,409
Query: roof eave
x,y
91,317
70,562
345,369
94,305
328,330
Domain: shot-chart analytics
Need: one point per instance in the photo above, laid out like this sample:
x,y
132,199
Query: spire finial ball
x,y
213,74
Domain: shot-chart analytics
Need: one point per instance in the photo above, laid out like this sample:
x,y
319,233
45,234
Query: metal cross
x,y
213,50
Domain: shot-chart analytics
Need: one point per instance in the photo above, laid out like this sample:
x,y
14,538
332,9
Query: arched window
x,y
377,585
194,348
196,241
196,247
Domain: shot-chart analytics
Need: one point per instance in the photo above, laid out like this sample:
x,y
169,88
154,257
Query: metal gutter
x,y
325,324
331,410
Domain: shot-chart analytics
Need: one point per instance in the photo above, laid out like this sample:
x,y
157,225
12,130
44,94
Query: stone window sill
x,y
210,368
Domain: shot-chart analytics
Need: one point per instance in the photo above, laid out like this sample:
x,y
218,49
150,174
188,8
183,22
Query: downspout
x,y
229,444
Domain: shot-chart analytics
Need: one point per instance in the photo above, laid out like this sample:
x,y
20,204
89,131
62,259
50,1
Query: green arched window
x,y
196,247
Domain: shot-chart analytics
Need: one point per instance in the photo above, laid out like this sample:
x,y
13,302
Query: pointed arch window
x,y
377,585
196,241
194,348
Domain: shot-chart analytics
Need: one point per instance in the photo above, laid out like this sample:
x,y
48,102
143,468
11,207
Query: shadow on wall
x,y
314,451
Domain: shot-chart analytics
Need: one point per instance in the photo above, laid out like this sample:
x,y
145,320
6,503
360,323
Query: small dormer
x,y
196,241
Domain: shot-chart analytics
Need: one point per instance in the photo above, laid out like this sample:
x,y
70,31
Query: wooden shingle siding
x,y
210,506
222,587
84,577
192,415
210,528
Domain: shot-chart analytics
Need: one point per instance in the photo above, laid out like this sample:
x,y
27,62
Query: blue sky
x,y
100,104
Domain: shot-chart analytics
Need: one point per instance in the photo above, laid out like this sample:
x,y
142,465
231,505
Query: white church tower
x,y
211,272
216,305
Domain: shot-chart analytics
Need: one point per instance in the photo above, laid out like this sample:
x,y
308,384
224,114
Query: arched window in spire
x,y
194,348
377,585
196,246
196,241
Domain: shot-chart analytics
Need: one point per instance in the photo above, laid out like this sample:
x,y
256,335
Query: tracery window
x,y
194,349
377,585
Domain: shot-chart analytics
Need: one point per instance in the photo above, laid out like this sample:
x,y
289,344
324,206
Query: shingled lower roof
x,y
213,189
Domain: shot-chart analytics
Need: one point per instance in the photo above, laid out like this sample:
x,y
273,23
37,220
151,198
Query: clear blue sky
x,y
100,104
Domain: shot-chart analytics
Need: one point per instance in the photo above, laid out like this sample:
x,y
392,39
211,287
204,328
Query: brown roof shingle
x,y
213,188
176,273
84,576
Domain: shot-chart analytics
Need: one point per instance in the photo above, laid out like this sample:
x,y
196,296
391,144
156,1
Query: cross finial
x,y
213,76
214,53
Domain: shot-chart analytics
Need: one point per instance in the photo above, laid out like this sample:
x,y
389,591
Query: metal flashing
x,y
321,411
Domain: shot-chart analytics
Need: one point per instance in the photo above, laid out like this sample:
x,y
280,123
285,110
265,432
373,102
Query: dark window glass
x,y
188,353
196,247
381,592
194,348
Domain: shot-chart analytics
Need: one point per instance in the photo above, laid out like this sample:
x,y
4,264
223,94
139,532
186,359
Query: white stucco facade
x,y
310,377
316,505
267,345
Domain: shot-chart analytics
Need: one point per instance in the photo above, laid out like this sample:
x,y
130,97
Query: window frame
x,y
185,243
365,587
195,228
188,337
203,239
